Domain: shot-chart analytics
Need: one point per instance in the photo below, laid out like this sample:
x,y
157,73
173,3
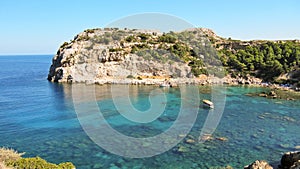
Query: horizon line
x,y
24,54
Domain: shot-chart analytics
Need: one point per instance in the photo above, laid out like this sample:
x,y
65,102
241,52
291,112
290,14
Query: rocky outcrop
x,y
100,56
259,164
111,55
290,160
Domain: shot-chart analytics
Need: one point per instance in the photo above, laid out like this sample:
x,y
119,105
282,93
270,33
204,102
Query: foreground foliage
x,y
10,158
37,163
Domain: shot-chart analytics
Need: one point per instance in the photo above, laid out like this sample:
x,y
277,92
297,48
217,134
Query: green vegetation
x,y
170,49
83,38
130,38
115,49
263,59
90,31
65,44
130,77
144,37
11,158
197,67
267,60
168,38
37,163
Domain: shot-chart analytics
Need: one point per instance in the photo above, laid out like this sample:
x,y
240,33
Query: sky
x,y
41,26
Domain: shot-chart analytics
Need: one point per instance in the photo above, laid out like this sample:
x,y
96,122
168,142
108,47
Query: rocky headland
x,y
118,56
133,56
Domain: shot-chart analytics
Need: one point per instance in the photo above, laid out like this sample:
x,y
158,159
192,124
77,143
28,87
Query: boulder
x,y
259,164
290,159
296,165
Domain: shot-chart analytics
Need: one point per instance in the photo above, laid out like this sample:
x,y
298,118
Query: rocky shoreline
x,y
290,160
201,80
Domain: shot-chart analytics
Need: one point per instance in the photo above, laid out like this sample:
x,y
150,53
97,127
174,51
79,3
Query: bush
x,y
89,31
37,163
115,49
64,45
144,37
11,158
198,71
129,38
116,36
130,77
134,49
105,40
167,38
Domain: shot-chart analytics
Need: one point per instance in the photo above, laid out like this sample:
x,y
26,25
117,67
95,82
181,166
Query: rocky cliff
x,y
107,55
195,55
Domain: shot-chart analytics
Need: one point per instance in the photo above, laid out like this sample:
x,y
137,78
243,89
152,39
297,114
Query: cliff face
x,y
97,55
111,55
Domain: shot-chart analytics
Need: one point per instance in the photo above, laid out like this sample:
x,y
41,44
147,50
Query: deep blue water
x,y
38,117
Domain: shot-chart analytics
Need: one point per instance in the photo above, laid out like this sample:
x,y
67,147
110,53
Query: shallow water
x,y
38,117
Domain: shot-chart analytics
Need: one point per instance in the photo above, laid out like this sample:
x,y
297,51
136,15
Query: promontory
x,y
196,55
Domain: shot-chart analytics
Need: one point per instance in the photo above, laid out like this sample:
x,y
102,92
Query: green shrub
x,y
134,49
37,163
144,37
12,158
130,77
167,38
117,36
198,71
106,41
89,31
66,165
130,38
64,45
115,49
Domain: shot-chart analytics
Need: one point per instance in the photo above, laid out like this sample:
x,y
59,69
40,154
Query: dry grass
x,y
7,154
2,166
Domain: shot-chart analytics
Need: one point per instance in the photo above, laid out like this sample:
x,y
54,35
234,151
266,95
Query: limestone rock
x,y
101,55
259,164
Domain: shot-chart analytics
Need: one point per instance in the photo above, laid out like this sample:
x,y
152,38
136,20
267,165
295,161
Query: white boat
x,y
208,104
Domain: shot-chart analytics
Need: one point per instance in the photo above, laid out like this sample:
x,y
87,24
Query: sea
x,y
41,118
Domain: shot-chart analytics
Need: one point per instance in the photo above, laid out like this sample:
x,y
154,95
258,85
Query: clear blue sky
x,y
41,26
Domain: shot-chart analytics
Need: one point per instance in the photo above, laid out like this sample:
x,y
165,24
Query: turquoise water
x,y
38,117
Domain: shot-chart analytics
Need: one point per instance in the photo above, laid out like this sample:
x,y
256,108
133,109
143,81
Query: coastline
x,y
202,80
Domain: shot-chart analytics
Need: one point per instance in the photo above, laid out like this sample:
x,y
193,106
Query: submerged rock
x,y
222,138
277,94
206,137
190,141
182,149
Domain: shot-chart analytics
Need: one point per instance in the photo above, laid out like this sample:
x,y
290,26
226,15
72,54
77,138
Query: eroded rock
x,y
290,159
259,164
